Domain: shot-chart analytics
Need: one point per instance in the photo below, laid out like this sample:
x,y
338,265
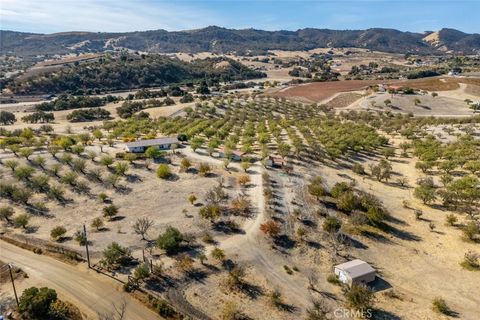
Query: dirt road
x,y
250,247
91,293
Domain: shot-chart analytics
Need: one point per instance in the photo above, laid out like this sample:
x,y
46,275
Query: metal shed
x,y
355,272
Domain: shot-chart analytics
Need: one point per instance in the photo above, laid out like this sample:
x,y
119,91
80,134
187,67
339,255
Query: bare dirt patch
x,y
344,99
428,106
319,91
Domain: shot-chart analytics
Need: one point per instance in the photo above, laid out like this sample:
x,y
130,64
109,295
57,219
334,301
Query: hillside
x,y
131,71
221,40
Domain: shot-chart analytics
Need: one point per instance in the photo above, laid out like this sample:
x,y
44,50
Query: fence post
x,y
13,284
86,245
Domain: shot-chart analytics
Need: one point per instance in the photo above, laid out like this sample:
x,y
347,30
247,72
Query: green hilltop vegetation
x,y
243,41
126,71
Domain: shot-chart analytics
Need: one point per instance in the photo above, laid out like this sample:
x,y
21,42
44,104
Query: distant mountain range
x,y
222,40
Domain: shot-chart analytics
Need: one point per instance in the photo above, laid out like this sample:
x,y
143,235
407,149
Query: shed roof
x,y
152,142
238,153
356,268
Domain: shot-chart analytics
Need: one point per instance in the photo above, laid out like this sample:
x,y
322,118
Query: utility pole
x,y
86,245
13,283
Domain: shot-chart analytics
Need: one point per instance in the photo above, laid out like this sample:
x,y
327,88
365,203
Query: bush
x,y
97,223
21,220
359,297
471,261
339,189
115,255
204,169
471,230
331,224
163,171
333,279
80,237
270,228
57,233
36,303
358,169
170,240
110,211
439,305
7,118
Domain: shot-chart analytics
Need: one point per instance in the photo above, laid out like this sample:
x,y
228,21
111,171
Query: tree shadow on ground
x,y
284,241
380,314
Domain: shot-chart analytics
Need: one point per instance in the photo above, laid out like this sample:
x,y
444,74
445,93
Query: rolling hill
x,y
222,40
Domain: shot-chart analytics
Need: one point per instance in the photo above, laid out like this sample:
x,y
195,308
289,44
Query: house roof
x,y
151,142
356,268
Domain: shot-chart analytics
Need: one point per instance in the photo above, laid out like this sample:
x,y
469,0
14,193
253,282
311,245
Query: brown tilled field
x,y
320,91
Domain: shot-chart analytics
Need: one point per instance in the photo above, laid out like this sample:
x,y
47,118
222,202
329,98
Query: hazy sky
x,y
47,16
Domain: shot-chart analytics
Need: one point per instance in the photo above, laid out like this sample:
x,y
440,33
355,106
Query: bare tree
x,y
141,226
118,312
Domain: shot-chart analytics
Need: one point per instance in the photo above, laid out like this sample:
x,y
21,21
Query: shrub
x,y
192,198
163,171
97,223
170,240
439,305
6,213
315,188
36,302
451,219
103,196
471,230
115,255
471,261
359,297
110,211
243,180
270,228
58,232
204,169
339,189
333,279
21,220
80,237
210,212
218,254
331,224
287,269
358,169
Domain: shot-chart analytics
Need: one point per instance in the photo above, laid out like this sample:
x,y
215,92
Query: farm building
x,y
355,272
275,162
164,143
237,155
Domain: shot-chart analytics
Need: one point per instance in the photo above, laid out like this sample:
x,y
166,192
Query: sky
x,y
49,16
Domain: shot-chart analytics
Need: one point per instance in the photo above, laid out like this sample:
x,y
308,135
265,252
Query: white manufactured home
x,y
164,143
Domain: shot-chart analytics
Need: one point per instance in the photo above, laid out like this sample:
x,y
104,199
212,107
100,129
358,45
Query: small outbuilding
x,y
355,272
275,162
236,155
164,143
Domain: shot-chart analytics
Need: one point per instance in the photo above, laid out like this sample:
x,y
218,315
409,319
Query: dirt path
x,y
91,293
251,247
